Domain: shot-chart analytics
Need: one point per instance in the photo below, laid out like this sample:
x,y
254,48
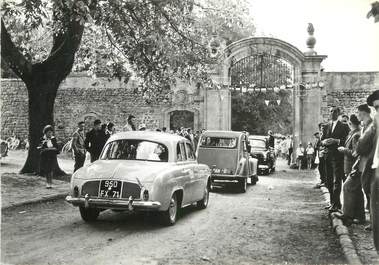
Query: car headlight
x,y
144,194
75,192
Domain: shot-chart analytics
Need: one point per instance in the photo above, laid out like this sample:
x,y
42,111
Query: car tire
x,y
202,204
89,214
243,185
254,180
169,216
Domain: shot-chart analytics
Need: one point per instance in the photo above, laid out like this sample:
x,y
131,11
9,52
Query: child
x,y
310,154
300,155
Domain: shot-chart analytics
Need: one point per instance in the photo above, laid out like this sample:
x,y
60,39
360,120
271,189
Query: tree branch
x,y
13,57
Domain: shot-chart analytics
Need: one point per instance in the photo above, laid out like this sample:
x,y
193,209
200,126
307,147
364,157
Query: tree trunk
x,y
42,92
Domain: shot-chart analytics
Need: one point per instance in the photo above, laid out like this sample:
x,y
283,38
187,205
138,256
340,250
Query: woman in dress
x,y
48,154
353,200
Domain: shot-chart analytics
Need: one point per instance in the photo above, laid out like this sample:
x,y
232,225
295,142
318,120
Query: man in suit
x,y
95,140
78,147
270,140
335,136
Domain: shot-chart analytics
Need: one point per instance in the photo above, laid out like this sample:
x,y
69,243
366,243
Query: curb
x,y
37,200
342,233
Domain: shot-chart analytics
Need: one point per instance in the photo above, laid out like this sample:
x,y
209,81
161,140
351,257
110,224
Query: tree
x,y
158,41
374,12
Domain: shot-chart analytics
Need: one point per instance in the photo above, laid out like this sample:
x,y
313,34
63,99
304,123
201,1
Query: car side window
x,y
190,153
183,151
179,156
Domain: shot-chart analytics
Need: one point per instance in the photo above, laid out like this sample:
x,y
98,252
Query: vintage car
x,y
227,154
265,155
142,171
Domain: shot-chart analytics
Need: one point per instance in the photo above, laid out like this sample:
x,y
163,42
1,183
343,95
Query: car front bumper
x,y
119,204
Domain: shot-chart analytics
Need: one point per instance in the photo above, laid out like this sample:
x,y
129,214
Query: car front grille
x,y
91,188
131,189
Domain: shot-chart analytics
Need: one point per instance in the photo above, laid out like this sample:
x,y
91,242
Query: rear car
x,y
226,153
264,154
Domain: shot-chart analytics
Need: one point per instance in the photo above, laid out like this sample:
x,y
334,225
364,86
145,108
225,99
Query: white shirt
x,y
334,123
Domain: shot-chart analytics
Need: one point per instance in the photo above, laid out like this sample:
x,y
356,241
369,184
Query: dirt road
x,y
281,219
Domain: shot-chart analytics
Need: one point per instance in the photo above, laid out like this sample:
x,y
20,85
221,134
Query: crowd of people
x,y
93,142
345,148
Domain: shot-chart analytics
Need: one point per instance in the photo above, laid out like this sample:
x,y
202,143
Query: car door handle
x,y
185,171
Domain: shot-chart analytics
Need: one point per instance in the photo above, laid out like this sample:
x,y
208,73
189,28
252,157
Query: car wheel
x,y
169,216
243,185
202,204
89,214
254,180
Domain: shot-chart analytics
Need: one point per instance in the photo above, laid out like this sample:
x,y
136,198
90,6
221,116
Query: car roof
x,y
258,137
222,133
154,136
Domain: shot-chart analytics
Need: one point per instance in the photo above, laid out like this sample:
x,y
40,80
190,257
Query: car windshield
x,y
218,142
135,150
257,143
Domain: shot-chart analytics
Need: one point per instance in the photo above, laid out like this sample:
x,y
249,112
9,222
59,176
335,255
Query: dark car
x,y
264,154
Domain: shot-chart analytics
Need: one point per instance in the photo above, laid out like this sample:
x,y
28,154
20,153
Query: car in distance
x,y
227,154
264,154
141,171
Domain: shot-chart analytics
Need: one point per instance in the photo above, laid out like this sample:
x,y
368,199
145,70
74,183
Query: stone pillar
x,y
217,109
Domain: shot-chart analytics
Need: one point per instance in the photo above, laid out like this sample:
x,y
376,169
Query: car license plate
x,y
110,189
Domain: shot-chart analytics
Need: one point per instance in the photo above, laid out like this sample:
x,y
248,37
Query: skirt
x,y
353,199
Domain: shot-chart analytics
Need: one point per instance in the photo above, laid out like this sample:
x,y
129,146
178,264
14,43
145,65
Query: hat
x,y
96,122
48,128
374,96
354,120
130,117
142,126
365,108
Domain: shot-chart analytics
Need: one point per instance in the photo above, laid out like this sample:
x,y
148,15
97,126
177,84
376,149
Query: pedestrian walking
x,y
78,146
48,154
310,151
270,140
335,136
353,200
130,124
95,140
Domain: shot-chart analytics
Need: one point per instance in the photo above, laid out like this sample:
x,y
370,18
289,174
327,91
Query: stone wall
x,y
347,90
82,98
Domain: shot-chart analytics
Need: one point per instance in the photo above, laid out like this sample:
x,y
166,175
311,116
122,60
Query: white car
x,y
142,171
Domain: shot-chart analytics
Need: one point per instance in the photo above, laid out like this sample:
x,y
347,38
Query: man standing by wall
x,y
78,147
95,140
335,136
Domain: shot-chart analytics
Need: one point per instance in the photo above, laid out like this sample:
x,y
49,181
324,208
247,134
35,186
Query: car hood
x,y
125,170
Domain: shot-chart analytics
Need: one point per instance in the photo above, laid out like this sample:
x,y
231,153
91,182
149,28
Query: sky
x,y
342,31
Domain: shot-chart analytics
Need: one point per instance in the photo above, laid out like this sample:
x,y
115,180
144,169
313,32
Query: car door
x,y
185,174
197,180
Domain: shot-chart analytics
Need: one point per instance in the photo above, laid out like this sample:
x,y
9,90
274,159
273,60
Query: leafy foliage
x,y
156,41
250,113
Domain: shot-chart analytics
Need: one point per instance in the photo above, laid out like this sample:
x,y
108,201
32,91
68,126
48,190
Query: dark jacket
x,y
349,153
340,132
48,155
95,141
270,142
366,150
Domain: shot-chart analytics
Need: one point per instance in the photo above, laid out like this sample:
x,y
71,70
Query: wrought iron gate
x,y
261,71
